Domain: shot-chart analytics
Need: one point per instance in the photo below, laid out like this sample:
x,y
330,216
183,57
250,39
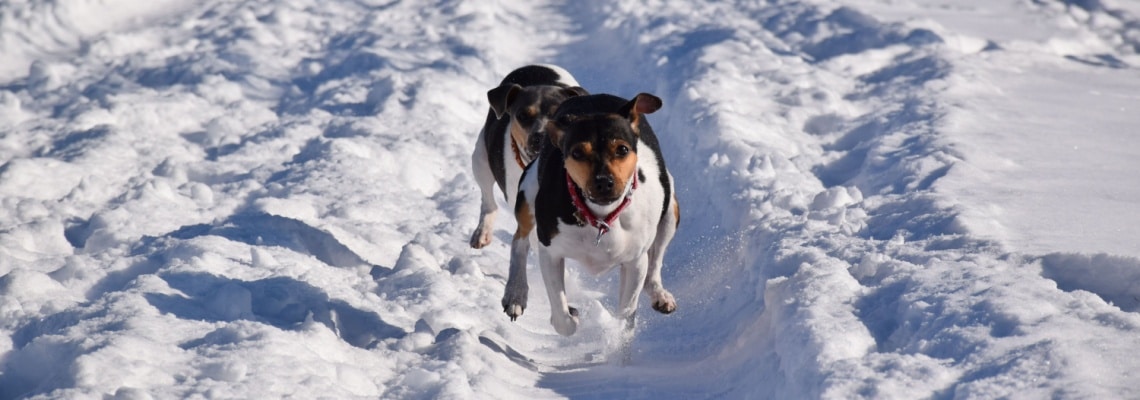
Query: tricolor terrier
x,y
513,133
599,194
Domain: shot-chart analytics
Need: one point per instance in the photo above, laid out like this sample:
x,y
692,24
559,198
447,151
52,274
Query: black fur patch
x,y
552,202
533,75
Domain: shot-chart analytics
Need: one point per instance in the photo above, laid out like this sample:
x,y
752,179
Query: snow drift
x,y
268,199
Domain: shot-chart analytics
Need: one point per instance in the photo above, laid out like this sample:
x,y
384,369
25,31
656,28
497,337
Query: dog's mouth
x,y
534,143
602,201
602,197
591,196
529,155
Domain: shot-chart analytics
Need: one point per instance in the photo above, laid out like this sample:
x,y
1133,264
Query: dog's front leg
x,y
481,167
515,294
562,316
663,301
632,280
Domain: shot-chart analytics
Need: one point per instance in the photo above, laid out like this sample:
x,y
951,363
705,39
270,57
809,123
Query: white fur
x,y
481,168
564,76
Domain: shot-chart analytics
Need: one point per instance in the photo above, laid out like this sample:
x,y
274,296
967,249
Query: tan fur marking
x,y
587,149
525,219
676,212
580,170
580,174
519,134
622,168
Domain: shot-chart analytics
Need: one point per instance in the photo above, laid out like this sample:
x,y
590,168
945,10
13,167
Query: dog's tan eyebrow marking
x,y
587,148
615,143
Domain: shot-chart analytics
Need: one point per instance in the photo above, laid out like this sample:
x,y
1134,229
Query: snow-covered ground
x,y
260,199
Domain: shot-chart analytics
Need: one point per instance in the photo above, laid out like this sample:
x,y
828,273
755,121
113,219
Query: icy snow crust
x,y
253,199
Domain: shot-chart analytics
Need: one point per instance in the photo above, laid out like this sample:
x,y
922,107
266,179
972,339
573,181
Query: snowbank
x,y
271,199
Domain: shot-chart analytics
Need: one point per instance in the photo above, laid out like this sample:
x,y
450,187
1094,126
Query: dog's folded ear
x,y
502,97
574,91
643,103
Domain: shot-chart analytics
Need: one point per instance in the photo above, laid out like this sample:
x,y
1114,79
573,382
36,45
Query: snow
x,y
880,199
1057,161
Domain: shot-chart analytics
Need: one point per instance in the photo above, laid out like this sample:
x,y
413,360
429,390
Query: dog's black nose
x,y
535,139
603,183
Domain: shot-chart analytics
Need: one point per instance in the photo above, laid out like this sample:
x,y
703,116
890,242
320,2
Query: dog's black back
x,y
532,75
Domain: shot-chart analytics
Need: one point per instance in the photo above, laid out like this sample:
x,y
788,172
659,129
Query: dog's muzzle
x,y
534,143
604,184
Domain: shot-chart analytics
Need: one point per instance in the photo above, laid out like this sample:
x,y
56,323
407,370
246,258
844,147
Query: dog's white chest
x,y
627,240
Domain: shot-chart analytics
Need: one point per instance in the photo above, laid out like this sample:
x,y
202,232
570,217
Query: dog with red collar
x,y
599,194
513,133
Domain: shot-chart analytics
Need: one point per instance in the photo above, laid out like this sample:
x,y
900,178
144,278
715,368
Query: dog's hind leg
x,y
662,300
562,316
481,167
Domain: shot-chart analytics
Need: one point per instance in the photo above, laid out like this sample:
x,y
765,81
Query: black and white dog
x,y
598,193
513,133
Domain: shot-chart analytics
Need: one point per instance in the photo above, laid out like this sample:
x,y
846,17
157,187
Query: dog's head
x,y
598,137
530,109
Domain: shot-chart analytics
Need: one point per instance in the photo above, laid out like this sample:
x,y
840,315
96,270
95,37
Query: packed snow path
x,y
246,199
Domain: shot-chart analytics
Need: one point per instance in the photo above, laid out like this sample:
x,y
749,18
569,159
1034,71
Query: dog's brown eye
x,y
577,154
622,150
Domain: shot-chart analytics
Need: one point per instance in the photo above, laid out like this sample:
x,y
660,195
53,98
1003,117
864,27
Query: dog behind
x,y
513,133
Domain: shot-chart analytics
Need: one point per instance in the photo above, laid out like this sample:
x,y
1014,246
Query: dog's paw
x,y
514,305
480,238
664,303
631,322
513,311
566,324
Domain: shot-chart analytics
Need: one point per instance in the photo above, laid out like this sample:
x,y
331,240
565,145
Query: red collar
x,y
585,213
518,155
